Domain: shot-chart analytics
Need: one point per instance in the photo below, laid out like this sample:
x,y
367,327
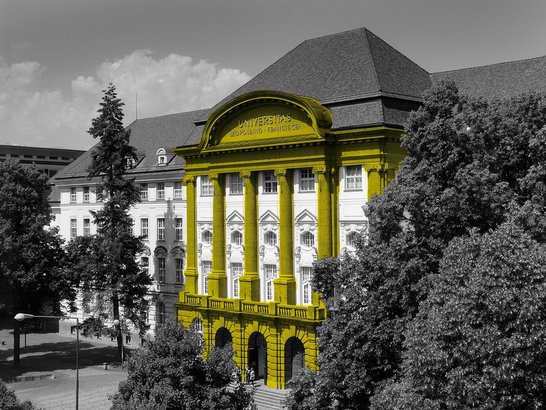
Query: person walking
x,y
247,374
252,376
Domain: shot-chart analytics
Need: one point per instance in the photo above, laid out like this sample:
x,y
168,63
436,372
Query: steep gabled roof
x,y
499,80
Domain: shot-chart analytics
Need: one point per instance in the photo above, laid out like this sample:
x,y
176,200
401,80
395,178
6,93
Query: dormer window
x,y
161,157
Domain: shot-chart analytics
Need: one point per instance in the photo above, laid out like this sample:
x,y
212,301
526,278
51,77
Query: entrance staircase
x,y
266,398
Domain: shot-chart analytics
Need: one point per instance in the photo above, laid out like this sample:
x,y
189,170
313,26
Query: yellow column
x,y
191,232
250,281
375,180
285,284
217,279
324,212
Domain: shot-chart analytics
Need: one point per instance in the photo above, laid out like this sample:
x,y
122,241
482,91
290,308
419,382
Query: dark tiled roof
x,y
499,80
147,136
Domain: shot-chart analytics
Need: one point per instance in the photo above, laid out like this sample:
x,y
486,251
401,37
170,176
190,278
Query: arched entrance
x,y
257,355
294,358
222,338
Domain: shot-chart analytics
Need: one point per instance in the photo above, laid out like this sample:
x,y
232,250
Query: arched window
x,y
308,239
161,157
270,238
352,239
206,237
237,238
197,325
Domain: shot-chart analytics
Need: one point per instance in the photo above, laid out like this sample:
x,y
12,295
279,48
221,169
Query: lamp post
x,y
117,324
23,316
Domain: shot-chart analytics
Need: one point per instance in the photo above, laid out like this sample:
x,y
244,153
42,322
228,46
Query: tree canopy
x,y
170,373
472,165
31,253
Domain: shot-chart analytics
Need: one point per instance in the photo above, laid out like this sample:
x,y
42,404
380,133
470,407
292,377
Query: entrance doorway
x,y
222,338
257,355
294,358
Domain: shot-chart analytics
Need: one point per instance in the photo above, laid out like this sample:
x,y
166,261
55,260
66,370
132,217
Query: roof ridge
x,y
490,65
167,115
336,34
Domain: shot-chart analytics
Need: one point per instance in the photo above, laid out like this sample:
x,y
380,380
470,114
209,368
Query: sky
x,y
168,56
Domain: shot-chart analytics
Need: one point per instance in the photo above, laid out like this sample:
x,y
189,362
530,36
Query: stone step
x,y
266,398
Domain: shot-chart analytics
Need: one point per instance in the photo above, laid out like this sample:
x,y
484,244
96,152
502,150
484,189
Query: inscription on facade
x,y
265,124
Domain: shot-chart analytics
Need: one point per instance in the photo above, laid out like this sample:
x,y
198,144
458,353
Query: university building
x,y
238,201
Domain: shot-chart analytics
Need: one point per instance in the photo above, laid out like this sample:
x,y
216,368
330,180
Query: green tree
x,y
31,253
9,401
107,261
479,340
170,373
469,161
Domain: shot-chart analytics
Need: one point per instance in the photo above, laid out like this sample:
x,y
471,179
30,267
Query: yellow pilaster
x,y
285,284
250,281
375,180
191,232
217,279
324,212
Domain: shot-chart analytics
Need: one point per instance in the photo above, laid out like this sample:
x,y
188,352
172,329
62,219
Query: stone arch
x,y
222,337
294,357
257,355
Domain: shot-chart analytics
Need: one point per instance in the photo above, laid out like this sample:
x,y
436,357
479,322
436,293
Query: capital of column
x,y
280,172
213,176
188,179
245,174
321,169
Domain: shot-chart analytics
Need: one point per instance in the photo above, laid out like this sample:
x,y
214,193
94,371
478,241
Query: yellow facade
x,y
272,131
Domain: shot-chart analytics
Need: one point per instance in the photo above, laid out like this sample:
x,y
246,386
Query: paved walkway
x,y
50,359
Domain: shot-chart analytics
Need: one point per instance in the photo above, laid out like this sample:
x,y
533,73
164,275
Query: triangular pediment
x,y
235,217
305,217
269,217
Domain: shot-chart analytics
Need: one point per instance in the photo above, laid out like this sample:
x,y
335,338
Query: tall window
x,y
86,194
207,189
206,267
178,226
160,190
143,192
161,312
308,239
307,180
235,184
86,227
352,239
237,238
144,263
270,238
306,275
270,182
73,228
144,227
160,229
161,269
178,270
177,190
72,195
206,237
236,272
270,272
353,178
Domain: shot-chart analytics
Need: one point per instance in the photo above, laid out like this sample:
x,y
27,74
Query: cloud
x,y
33,116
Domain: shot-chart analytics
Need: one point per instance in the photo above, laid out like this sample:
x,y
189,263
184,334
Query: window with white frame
x,y
160,229
306,276
270,273
85,194
308,239
351,239
161,157
178,270
144,263
206,267
353,178
161,312
144,227
207,189
197,325
270,182
206,237
73,196
161,269
143,192
73,228
307,180
235,184
160,190
86,227
237,238
178,229
236,272
270,238
177,190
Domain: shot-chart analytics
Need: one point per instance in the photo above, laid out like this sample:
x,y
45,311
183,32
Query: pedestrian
x,y
252,376
247,374
253,406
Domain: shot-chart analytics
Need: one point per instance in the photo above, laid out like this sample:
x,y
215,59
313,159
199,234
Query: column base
x,y
191,281
249,287
285,291
217,284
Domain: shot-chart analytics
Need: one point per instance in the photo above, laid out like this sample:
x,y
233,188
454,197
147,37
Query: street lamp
x,y
23,316
117,324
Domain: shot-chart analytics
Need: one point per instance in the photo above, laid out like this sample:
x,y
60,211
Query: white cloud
x,y
33,116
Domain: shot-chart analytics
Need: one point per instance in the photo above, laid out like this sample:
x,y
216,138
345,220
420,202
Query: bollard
x,y
105,366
